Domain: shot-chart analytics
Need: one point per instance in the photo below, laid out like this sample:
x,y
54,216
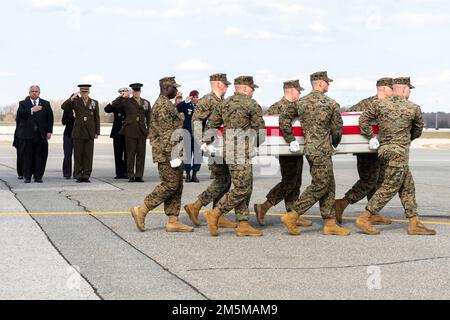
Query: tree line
x,y
8,114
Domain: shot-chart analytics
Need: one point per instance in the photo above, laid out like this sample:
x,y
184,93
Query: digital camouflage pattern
x,y
291,168
404,81
220,173
400,121
247,81
220,185
165,121
241,116
291,182
293,84
204,110
322,188
240,113
239,198
368,164
364,105
278,108
322,127
369,173
169,191
321,75
321,122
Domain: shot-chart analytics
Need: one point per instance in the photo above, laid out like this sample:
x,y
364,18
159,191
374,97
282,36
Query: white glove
x,y
374,144
204,148
210,149
295,147
176,163
337,149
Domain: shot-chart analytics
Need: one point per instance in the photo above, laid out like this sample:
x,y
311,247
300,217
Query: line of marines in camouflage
x,y
382,175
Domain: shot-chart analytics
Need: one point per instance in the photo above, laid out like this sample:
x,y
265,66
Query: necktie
x,y
34,103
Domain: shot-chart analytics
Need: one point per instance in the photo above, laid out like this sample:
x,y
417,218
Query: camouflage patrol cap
x,y
322,75
404,81
84,87
246,80
179,95
123,90
220,77
293,84
168,81
385,82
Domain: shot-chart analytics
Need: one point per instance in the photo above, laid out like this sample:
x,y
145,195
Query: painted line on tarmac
x,y
160,212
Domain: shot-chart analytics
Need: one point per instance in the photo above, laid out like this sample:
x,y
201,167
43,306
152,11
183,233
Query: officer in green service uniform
x,y
135,129
85,130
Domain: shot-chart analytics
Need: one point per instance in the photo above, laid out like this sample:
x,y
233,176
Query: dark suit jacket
x,y
137,121
43,119
119,120
16,134
68,120
87,118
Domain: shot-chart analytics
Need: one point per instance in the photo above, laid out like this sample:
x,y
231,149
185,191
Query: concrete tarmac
x,y
62,240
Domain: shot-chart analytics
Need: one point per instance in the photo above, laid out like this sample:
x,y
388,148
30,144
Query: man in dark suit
x,y
120,153
16,144
68,120
135,129
85,130
35,118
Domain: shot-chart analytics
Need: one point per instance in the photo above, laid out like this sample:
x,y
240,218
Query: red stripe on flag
x,y
298,131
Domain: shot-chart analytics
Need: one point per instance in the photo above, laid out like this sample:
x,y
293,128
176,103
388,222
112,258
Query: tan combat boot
x,y
290,220
261,211
212,218
379,220
340,206
244,229
363,223
225,224
332,229
139,214
417,228
302,222
175,225
193,210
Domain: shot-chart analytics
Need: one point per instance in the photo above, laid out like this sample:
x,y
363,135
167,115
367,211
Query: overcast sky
x,y
60,43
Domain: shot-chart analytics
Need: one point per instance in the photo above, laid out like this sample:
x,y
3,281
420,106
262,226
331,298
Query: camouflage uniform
x,y
322,126
368,164
219,171
165,121
400,121
291,169
239,112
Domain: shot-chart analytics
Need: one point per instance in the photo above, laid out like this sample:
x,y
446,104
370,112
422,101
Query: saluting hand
x,y
75,96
